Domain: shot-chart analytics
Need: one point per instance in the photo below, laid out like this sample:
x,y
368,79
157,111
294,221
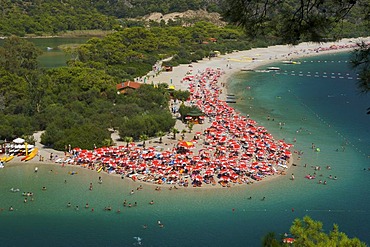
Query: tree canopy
x,y
308,232
74,105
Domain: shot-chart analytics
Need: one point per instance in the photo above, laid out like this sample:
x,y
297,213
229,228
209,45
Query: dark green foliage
x,y
270,240
186,110
84,135
74,105
13,126
132,52
180,95
134,8
361,61
294,21
18,55
50,17
308,232
148,124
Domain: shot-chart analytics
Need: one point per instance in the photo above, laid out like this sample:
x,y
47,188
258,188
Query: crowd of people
x,y
232,150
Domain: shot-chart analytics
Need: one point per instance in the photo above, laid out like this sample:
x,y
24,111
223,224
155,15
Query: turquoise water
x,y
310,109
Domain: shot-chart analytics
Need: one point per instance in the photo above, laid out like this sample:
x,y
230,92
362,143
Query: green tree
x,y
308,232
19,56
128,139
361,61
160,134
174,132
269,240
143,138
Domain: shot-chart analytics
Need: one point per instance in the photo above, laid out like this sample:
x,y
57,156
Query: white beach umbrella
x,y
18,140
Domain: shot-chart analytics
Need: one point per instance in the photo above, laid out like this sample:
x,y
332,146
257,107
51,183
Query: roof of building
x,y
128,84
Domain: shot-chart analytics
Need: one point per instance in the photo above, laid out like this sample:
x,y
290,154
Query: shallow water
x,y
205,217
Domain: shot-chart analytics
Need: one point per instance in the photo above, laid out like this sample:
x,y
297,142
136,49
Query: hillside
x,y
188,17
52,17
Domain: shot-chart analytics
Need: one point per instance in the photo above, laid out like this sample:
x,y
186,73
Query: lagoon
x,y
216,217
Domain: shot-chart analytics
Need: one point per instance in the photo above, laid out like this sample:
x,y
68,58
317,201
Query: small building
x,y
124,86
195,116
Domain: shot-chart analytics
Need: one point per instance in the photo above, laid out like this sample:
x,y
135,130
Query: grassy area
x,y
65,47
85,33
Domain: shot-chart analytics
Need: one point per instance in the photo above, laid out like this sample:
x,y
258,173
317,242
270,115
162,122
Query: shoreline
x,y
234,63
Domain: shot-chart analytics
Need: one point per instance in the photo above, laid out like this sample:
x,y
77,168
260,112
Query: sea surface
x,y
305,105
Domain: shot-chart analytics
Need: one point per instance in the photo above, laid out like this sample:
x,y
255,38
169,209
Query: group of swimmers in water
x,y
316,168
109,208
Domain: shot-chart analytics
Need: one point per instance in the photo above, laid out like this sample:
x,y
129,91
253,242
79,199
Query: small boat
x,y
100,169
24,158
262,71
49,48
290,62
273,68
31,155
7,158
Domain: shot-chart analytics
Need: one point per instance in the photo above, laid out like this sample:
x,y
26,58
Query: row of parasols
x,y
234,149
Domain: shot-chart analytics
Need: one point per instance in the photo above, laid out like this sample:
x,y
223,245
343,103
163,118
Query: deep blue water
x,y
321,110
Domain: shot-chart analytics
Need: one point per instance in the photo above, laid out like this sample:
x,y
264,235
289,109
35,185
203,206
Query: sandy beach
x,y
213,215
227,65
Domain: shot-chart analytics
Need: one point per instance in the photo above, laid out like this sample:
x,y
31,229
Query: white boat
x,y
273,68
290,62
